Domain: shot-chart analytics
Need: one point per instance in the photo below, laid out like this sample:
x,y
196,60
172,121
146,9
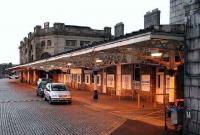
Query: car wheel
x,y
70,102
50,102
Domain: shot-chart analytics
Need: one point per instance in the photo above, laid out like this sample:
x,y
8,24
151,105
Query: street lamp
x,y
95,94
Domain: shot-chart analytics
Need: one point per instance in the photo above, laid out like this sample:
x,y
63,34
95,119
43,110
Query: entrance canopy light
x,y
156,53
69,64
99,60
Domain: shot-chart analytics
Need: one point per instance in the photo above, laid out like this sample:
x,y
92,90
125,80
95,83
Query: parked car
x,y
16,77
13,77
40,89
57,92
41,80
44,80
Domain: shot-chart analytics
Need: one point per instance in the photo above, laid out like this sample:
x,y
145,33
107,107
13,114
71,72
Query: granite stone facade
x,y
192,66
177,12
48,41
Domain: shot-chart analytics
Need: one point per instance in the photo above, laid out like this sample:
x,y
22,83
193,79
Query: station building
x,y
146,62
47,41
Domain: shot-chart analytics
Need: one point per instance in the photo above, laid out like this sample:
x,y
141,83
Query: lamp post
x,y
97,61
156,53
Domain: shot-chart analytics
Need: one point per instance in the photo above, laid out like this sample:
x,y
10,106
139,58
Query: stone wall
x,y
177,13
36,44
192,69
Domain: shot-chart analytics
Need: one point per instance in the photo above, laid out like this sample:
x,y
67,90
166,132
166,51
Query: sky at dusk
x,y
19,17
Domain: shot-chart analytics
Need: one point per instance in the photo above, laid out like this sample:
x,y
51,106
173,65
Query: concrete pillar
x,y
119,80
21,76
95,82
95,79
104,82
25,76
34,77
172,59
28,76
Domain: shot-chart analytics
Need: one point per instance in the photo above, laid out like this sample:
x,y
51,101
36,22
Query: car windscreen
x,y
42,85
59,88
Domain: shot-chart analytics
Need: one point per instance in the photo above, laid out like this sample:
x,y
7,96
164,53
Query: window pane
x,y
137,74
49,43
84,43
71,42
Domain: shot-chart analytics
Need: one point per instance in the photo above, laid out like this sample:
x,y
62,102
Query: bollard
x,y
95,95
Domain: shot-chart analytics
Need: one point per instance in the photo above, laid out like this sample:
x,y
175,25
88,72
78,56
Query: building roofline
x,y
173,32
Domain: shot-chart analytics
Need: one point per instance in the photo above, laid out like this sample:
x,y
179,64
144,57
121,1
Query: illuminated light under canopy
x,y
99,60
156,54
69,64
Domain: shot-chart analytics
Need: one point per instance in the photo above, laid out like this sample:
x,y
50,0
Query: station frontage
x,y
147,63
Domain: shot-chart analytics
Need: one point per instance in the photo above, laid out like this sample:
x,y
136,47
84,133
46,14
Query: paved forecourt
x,y
23,113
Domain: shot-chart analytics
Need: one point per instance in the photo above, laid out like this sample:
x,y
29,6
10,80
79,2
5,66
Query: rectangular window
x,y
78,78
99,80
69,78
111,80
48,42
84,43
137,74
87,79
159,81
43,43
71,42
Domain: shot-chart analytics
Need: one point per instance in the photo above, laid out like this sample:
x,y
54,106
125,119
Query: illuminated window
x,y
87,79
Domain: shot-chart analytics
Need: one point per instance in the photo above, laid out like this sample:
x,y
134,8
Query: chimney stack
x,y
46,25
37,28
107,31
119,29
152,18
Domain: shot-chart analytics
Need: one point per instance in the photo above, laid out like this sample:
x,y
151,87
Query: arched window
x,y
43,43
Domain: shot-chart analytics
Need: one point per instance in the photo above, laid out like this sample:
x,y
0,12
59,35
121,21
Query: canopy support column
x,y
119,80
